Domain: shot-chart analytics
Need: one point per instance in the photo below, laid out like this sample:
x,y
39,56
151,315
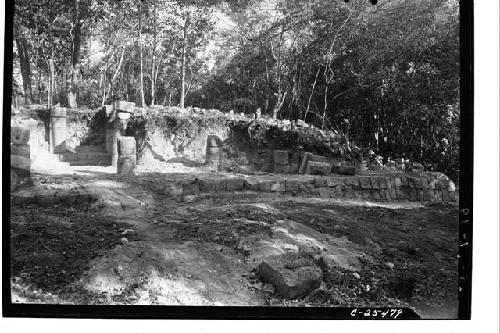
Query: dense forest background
x,y
385,76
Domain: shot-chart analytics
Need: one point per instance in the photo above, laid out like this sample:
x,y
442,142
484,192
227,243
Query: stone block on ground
x,y
344,170
19,135
126,146
277,186
125,164
318,168
291,275
207,186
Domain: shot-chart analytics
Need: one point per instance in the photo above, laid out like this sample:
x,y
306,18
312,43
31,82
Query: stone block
x,y
413,194
291,278
234,185
320,182
365,182
305,160
334,182
324,192
124,106
366,194
426,194
375,182
352,181
281,168
405,181
20,150
191,188
220,185
291,185
172,190
336,192
349,192
280,157
425,183
397,182
376,194
451,186
126,146
452,196
318,168
420,195
264,186
393,193
19,135
384,183
418,183
20,162
207,186
446,195
277,186
433,184
344,170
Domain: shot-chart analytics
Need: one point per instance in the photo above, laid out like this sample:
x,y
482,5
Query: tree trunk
x,y
183,63
312,93
76,36
24,61
143,102
153,65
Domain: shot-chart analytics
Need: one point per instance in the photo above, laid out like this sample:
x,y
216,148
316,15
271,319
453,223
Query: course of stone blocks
x,y
424,187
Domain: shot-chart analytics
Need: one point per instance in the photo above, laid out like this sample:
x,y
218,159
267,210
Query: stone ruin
x,y
109,142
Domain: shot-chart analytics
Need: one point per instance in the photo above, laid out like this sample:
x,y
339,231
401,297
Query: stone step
x,y
93,162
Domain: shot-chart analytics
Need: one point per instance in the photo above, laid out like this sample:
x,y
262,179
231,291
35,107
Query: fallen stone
x,y
291,276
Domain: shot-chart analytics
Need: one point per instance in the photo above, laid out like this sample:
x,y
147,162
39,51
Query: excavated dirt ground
x,y
122,242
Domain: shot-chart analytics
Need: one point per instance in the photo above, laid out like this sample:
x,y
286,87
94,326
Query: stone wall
x,y
425,187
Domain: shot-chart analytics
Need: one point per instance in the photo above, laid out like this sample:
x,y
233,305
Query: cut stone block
x,y
413,194
365,182
384,183
291,185
344,170
352,181
291,277
264,186
318,168
20,150
277,186
19,135
334,182
124,106
280,157
320,182
20,162
375,182
234,185
324,192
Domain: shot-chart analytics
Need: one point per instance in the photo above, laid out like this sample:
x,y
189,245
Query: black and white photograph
x,y
250,158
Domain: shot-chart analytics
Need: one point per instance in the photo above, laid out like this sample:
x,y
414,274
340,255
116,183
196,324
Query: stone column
x,y
214,153
119,129
280,161
109,128
57,130
127,157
